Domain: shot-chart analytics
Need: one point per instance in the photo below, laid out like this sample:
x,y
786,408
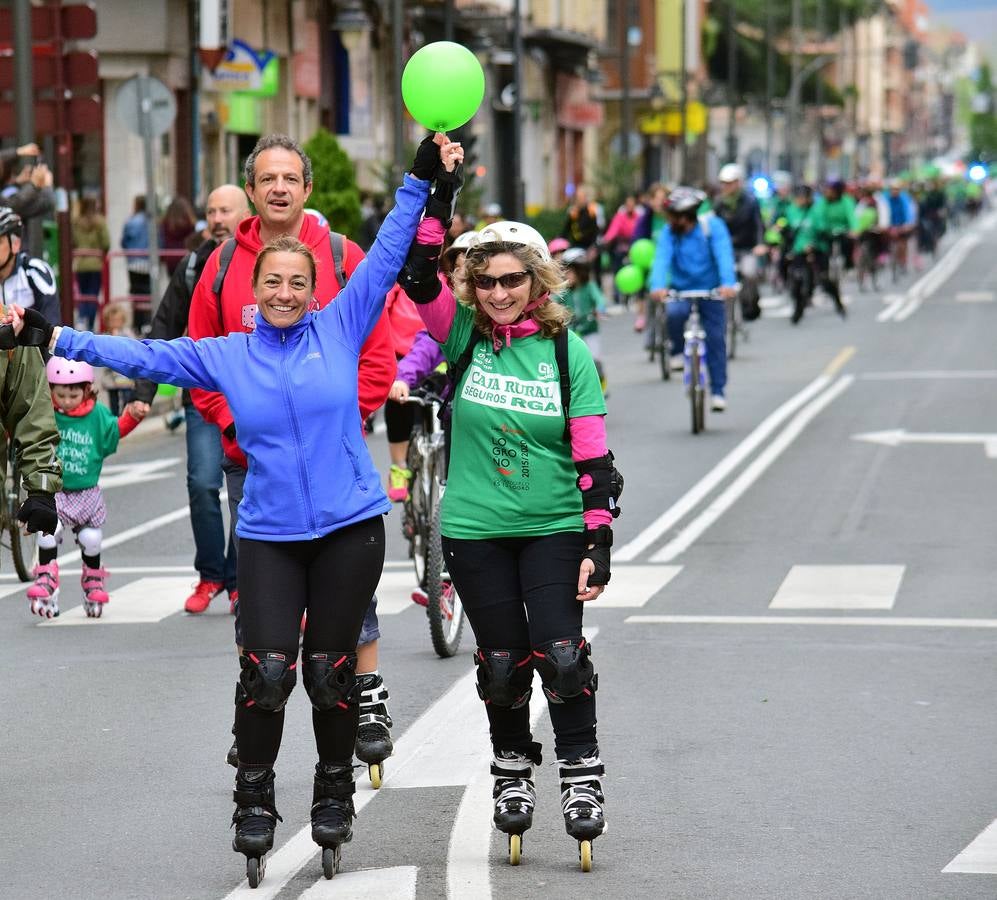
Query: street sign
x,y
144,95
76,23
82,116
79,69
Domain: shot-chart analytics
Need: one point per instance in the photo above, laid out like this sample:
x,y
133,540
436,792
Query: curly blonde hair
x,y
547,277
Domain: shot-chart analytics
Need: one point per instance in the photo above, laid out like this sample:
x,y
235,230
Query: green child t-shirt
x,y
510,472
84,443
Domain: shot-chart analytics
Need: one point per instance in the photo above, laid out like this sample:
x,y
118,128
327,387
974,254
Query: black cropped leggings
x,y
519,593
333,578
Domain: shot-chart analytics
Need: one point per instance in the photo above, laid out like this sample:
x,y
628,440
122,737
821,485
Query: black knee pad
x,y
504,677
331,679
267,678
566,670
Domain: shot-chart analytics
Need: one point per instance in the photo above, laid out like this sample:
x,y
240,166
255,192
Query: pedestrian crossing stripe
x,y
143,601
395,883
839,587
980,857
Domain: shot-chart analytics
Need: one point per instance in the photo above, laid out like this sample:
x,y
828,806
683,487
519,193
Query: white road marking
x,y
975,297
633,586
930,374
932,280
839,587
897,436
120,474
877,621
688,535
718,473
145,600
468,869
395,883
394,592
118,570
980,856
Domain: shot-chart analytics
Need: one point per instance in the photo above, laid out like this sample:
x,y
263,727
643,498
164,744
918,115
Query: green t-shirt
x,y
584,303
84,442
510,471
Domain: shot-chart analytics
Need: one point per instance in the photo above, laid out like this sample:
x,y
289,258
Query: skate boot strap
x,y
342,805
247,812
373,693
341,789
373,716
514,793
583,770
512,768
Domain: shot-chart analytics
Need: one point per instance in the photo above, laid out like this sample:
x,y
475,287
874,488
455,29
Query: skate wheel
x,y
515,849
255,867
330,861
375,770
585,855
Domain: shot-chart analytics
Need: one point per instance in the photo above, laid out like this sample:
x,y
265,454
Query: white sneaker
x,y
718,403
676,363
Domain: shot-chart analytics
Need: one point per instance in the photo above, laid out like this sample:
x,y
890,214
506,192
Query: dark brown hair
x,y
285,243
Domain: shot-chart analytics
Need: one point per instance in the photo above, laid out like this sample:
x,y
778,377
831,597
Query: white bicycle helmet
x,y
513,233
573,256
731,172
67,371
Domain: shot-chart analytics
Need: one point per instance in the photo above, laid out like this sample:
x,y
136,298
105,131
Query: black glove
x,y
37,331
601,539
38,512
8,340
427,159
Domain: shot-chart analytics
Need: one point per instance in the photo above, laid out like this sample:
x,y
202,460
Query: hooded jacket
x,y
292,392
238,312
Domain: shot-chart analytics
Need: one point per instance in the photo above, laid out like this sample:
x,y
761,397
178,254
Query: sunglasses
x,y
508,281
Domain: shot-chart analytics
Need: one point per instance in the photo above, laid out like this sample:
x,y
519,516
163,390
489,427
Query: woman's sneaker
x,y
204,593
398,482
44,593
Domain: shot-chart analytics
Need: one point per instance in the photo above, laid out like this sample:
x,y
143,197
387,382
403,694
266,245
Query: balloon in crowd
x,y
642,253
630,279
443,85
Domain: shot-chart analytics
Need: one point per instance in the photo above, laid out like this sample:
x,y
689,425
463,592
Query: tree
x,y
983,122
334,184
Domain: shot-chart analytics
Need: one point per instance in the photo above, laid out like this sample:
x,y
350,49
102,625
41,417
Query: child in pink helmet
x,y
88,433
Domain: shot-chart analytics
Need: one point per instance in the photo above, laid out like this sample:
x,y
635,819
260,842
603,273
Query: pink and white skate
x,y
94,594
44,593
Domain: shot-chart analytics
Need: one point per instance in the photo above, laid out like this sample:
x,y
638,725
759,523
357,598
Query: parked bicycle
x,y
427,461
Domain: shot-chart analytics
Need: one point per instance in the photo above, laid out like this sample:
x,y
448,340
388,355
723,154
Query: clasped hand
x,y
22,327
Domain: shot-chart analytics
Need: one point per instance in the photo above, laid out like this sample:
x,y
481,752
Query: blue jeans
x,y
713,314
235,480
213,560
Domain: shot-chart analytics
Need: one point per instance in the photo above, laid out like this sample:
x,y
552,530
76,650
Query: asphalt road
x,y
796,654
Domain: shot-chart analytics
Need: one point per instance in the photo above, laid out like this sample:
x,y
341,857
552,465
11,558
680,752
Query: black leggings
x,y
333,578
519,593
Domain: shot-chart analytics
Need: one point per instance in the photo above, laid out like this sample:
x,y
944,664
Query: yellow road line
x,y
838,363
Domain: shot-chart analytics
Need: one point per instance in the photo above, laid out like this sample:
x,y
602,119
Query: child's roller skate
x,y
515,797
44,593
332,812
94,595
581,803
255,819
374,744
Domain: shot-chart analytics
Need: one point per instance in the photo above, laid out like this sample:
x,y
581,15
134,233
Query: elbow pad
x,y
419,276
601,483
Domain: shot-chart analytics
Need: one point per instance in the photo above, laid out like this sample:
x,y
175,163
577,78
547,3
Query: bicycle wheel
x,y
414,518
663,344
23,545
446,614
731,325
653,337
697,393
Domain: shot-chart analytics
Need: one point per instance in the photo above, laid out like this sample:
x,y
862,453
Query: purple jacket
x,y
420,361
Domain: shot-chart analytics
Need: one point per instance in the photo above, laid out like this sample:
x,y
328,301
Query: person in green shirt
x,y
526,518
839,216
810,246
586,303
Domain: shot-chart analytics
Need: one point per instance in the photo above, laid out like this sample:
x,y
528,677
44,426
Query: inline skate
x,y
581,803
374,744
515,798
255,819
332,812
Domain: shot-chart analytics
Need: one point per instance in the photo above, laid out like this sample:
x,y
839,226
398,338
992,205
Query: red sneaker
x,y
204,593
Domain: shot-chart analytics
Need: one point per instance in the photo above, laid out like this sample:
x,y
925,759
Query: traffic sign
x,y
79,69
141,97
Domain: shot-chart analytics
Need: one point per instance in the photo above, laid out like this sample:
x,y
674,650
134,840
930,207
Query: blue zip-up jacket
x,y
694,262
292,392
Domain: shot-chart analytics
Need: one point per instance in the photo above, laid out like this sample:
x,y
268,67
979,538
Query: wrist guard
x,y
600,482
419,276
442,201
601,540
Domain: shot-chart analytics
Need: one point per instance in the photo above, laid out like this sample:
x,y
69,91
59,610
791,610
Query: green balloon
x,y
630,279
642,253
443,85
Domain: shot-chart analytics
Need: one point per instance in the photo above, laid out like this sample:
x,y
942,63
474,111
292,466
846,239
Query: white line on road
x,y
930,374
718,473
980,856
633,586
897,436
751,474
839,587
146,600
396,883
878,621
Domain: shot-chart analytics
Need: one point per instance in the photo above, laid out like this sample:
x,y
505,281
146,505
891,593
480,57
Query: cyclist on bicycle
x,y
898,214
24,280
741,214
809,248
695,254
839,213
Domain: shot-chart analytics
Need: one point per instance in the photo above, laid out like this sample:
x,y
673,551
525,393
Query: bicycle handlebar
x,y
698,295
422,396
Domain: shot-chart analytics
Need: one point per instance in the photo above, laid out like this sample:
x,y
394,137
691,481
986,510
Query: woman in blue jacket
x,y
312,536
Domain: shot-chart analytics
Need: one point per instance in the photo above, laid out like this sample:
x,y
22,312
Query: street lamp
x,y
352,23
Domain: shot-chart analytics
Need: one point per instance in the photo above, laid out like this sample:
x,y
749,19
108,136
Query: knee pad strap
x,y
566,670
267,677
504,677
331,680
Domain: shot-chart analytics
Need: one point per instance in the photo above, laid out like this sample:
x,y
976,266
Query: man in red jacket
x,y
278,178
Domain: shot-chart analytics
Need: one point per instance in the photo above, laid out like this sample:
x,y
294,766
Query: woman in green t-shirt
x,y
527,514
